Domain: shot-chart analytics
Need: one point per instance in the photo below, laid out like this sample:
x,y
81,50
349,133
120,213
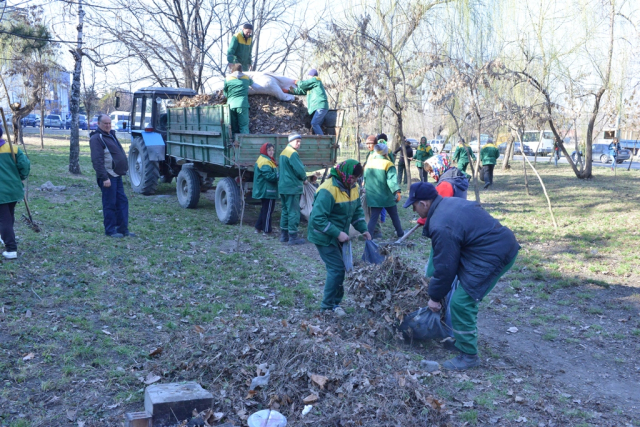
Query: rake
x,y
29,222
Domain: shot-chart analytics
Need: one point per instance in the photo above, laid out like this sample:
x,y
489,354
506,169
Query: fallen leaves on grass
x,y
319,380
28,357
312,398
156,352
151,378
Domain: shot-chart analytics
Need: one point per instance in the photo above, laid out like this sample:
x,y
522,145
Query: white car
x,y
120,120
436,145
540,141
54,121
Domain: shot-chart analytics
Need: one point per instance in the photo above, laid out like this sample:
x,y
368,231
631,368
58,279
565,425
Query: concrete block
x,y
166,402
137,419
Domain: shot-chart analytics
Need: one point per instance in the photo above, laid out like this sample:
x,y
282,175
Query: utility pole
x,y
74,143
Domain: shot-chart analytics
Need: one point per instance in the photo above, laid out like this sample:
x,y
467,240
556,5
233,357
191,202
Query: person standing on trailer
x,y
240,48
236,90
265,186
317,103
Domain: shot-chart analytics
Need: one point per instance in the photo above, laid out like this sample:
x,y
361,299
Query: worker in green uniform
x,y
462,154
336,206
292,177
236,89
370,142
489,156
239,51
423,152
265,186
317,104
383,191
383,139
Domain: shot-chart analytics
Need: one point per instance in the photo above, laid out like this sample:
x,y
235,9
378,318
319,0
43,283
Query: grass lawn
x,y
80,313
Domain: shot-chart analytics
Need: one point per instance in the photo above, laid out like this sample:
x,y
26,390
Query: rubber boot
x,y
284,236
295,240
461,362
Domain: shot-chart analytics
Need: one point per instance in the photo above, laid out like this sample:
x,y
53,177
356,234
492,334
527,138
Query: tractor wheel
x,y
188,188
143,172
228,201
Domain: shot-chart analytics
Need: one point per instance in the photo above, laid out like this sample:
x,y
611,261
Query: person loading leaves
x,y
317,103
336,206
468,243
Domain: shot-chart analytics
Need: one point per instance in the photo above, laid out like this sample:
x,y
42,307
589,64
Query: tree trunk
x,y
74,102
42,111
508,153
475,166
524,165
632,155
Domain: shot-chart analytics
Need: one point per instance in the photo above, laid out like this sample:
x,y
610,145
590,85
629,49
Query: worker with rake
x,y
336,206
468,243
14,168
462,155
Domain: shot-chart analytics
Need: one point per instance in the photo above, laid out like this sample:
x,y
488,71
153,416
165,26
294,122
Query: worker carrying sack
x,y
424,324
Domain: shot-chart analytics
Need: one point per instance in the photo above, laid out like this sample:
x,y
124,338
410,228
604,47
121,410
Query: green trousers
x,y
290,216
333,286
240,120
464,315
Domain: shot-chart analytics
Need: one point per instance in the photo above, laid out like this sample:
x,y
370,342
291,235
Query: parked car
x,y
516,149
53,121
600,152
446,148
82,122
541,140
93,124
414,142
31,120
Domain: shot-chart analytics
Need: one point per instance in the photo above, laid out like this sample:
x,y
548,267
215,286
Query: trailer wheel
x,y
188,188
228,201
143,172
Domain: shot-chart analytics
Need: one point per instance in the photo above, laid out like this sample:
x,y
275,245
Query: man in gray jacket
x,y
468,243
110,163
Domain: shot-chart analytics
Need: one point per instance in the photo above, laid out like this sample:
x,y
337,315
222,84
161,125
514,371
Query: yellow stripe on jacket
x,y
381,164
288,152
4,149
242,40
338,195
262,162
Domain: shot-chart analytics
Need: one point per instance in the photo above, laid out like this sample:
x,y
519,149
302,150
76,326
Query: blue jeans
x,y
115,207
317,120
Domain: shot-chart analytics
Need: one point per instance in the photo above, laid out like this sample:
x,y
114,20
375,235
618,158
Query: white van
x,y
120,120
540,141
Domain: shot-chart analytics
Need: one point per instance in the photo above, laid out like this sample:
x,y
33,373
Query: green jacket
x,y
489,154
334,209
265,178
380,182
11,189
316,96
240,51
422,154
461,155
292,173
236,89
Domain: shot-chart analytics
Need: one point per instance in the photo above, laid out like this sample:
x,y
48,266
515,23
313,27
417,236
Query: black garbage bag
x,y
424,324
372,253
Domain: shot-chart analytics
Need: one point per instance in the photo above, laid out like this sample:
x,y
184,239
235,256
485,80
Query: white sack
x,y
306,201
270,84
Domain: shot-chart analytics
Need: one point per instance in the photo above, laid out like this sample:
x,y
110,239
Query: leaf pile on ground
x,y
391,289
313,372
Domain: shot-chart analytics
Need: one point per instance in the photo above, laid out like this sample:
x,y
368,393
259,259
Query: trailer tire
x,y
143,173
228,201
188,188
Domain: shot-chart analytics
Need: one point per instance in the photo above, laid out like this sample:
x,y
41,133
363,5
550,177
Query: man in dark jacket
x,y
110,163
469,243
401,166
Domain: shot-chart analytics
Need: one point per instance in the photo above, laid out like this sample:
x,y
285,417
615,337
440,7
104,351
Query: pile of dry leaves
x,y
267,115
391,289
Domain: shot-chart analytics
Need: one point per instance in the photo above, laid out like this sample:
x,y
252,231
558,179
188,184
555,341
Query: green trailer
x,y
196,145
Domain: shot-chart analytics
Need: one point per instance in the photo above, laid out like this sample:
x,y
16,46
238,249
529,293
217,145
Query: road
x,y
66,132
562,160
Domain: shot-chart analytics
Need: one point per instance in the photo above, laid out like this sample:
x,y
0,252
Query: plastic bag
x,y
347,256
306,201
372,253
424,324
270,84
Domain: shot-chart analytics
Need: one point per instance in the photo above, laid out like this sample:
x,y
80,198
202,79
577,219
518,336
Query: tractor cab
x,y
150,105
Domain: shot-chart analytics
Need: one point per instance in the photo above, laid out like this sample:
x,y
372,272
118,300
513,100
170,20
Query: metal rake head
x,y
31,223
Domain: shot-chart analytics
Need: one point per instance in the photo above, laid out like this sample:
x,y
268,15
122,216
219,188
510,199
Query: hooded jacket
x,y
469,243
265,178
455,181
489,154
461,155
335,208
236,90
107,155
